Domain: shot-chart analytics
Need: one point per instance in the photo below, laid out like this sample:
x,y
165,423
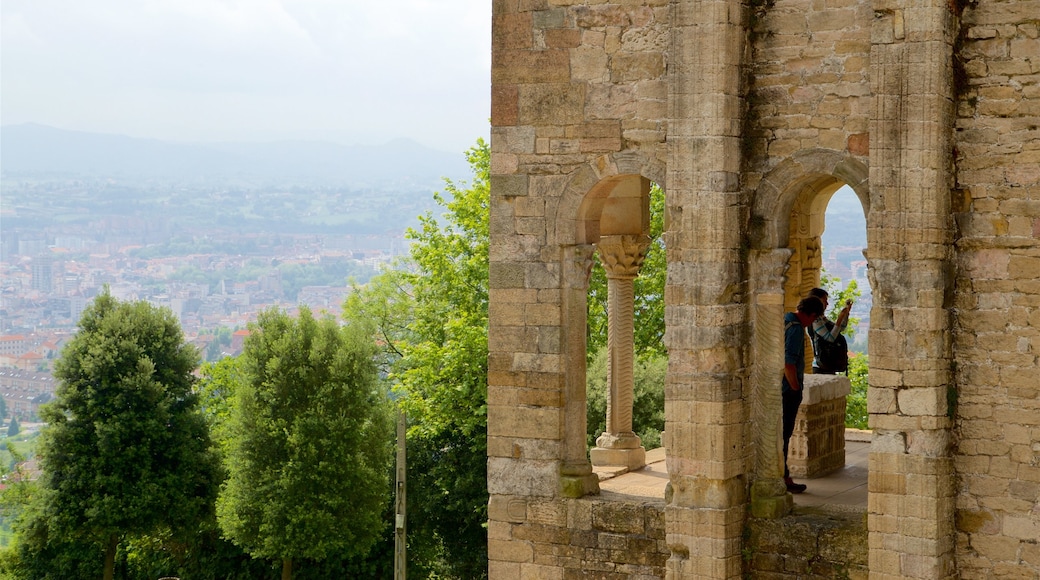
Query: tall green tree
x,y
310,442
125,450
431,317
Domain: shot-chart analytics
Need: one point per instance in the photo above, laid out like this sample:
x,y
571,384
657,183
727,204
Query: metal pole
x,y
400,550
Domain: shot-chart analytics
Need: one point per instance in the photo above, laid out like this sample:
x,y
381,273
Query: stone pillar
x,y
769,497
706,312
576,476
911,499
622,257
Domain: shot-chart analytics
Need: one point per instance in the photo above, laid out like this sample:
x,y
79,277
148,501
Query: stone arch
x,y
786,216
606,197
806,173
577,214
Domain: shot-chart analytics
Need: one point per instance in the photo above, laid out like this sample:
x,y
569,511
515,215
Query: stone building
x,y
750,114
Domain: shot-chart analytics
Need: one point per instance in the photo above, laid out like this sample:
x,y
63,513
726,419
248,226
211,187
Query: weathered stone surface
x,y
750,114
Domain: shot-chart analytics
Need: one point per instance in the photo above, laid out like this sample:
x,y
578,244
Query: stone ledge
x,y
819,388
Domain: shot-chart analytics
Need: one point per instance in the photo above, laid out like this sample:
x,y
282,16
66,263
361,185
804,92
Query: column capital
x,y
623,255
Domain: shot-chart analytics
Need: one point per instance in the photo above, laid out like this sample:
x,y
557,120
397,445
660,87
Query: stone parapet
x,y
818,443
600,537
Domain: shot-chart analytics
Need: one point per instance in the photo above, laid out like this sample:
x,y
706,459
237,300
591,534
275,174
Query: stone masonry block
x,y
922,401
503,570
551,104
529,66
527,422
512,31
504,105
503,275
509,185
518,140
510,551
522,478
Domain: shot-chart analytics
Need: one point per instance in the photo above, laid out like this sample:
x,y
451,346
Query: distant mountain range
x,y
31,150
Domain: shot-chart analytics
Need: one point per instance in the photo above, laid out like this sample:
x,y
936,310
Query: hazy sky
x,y
350,71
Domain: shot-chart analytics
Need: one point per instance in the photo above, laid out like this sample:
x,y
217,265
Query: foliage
x,y
648,291
125,450
216,395
838,296
647,401
221,342
310,441
856,402
13,428
431,318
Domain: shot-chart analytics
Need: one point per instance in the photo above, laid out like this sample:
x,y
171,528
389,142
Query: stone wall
x,y
818,443
750,114
997,332
589,538
813,545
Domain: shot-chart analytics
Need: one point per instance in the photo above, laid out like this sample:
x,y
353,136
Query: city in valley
x,y
214,266
286,225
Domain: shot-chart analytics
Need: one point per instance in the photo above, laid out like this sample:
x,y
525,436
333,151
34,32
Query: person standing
x,y
808,310
824,329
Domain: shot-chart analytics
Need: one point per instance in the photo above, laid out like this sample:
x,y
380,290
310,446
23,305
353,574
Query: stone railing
x,y
818,444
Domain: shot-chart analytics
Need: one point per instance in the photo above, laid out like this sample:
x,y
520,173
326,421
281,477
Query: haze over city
x,y
251,70
218,158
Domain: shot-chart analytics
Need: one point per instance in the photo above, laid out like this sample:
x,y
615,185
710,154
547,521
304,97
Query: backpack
x,y
831,357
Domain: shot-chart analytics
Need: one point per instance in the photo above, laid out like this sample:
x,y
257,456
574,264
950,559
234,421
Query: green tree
x,y
311,441
431,316
838,297
220,343
13,427
125,450
648,290
856,402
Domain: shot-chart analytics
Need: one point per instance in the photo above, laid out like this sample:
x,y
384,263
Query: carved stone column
x,y
576,476
769,497
622,256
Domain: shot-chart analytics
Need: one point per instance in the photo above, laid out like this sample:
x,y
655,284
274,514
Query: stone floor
x,y
845,487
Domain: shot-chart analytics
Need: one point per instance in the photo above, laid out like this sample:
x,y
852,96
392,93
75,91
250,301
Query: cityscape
x,y
217,246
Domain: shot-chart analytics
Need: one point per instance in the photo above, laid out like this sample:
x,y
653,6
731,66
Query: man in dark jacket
x,y
795,323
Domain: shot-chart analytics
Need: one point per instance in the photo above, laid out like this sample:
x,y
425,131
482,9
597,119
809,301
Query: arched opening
x,y
611,223
649,362
788,222
616,219
820,455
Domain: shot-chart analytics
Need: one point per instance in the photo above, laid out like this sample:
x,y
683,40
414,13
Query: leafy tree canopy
x,y
310,441
125,449
431,316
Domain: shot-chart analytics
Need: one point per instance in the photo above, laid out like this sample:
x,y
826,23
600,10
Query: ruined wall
x,y
997,333
579,105
750,113
577,538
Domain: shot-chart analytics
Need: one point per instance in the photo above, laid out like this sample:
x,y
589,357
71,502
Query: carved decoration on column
x,y
576,476
769,497
622,256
